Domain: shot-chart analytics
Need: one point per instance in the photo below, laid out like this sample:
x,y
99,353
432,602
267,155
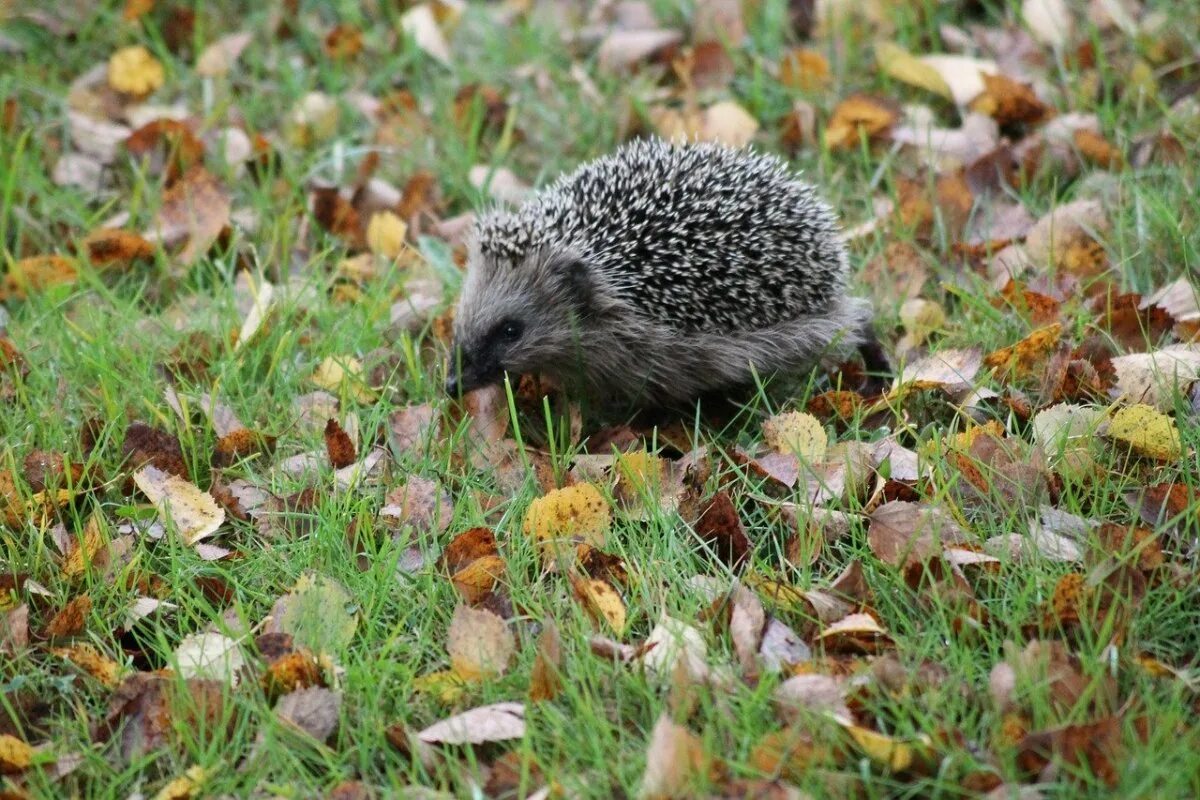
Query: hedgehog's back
x,y
700,237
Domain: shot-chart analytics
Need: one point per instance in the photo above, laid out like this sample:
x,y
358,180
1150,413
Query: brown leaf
x,y
91,661
902,533
1097,151
36,273
747,622
1095,747
804,69
194,212
466,547
14,629
107,247
675,762
339,445
314,711
70,620
720,527
1023,358
1010,102
169,146
421,503
859,117
146,445
811,694
478,579
343,42
545,680
239,445
412,427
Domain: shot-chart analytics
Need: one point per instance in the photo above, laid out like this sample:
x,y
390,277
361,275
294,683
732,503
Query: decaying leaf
x,y
564,516
193,512
1146,431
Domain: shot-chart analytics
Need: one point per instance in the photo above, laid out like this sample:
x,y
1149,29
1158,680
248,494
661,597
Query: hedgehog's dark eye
x,y
511,330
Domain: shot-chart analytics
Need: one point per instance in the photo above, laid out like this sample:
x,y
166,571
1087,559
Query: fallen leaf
x,y
562,517
314,710
194,212
601,601
1021,359
187,786
898,63
859,117
35,274
15,755
420,23
210,656
675,762
480,644
134,71
219,57
951,371
338,445
811,694
673,643
1146,431
194,513
798,433
623,49
1157,378
545,679
336,372
319,614
386,234
1049,21
492,723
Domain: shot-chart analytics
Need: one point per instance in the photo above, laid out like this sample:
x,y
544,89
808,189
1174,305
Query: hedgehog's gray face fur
x,y
516,315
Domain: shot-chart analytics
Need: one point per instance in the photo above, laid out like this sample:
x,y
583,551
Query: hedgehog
x,y
658,274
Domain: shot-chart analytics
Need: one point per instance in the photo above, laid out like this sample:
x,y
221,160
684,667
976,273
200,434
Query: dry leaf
x,y
859,117
495,723
545,680
194,212
386,234
675,762
314,710
195,514
219,57
134,71
562,517
210,656
420,22
480,644
952,371
1147,432
798,433
601,601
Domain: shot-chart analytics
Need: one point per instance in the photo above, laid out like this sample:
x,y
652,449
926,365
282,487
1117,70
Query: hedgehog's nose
x,y
452,385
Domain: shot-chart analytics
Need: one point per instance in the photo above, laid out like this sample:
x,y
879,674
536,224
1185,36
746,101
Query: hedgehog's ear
x,y
572,274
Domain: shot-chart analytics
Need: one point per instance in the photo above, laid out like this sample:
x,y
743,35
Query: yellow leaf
x,y
87,549
385,234
186,786
480,644
15,755
640,470
804,69
893,754
475,580
1022,357
91,661
573,514
902,65
858,116
194,512
1147,431
336,370
445,685
798,433
601,600
133,70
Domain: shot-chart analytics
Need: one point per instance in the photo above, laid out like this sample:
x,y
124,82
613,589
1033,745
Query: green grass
x,y
94,351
